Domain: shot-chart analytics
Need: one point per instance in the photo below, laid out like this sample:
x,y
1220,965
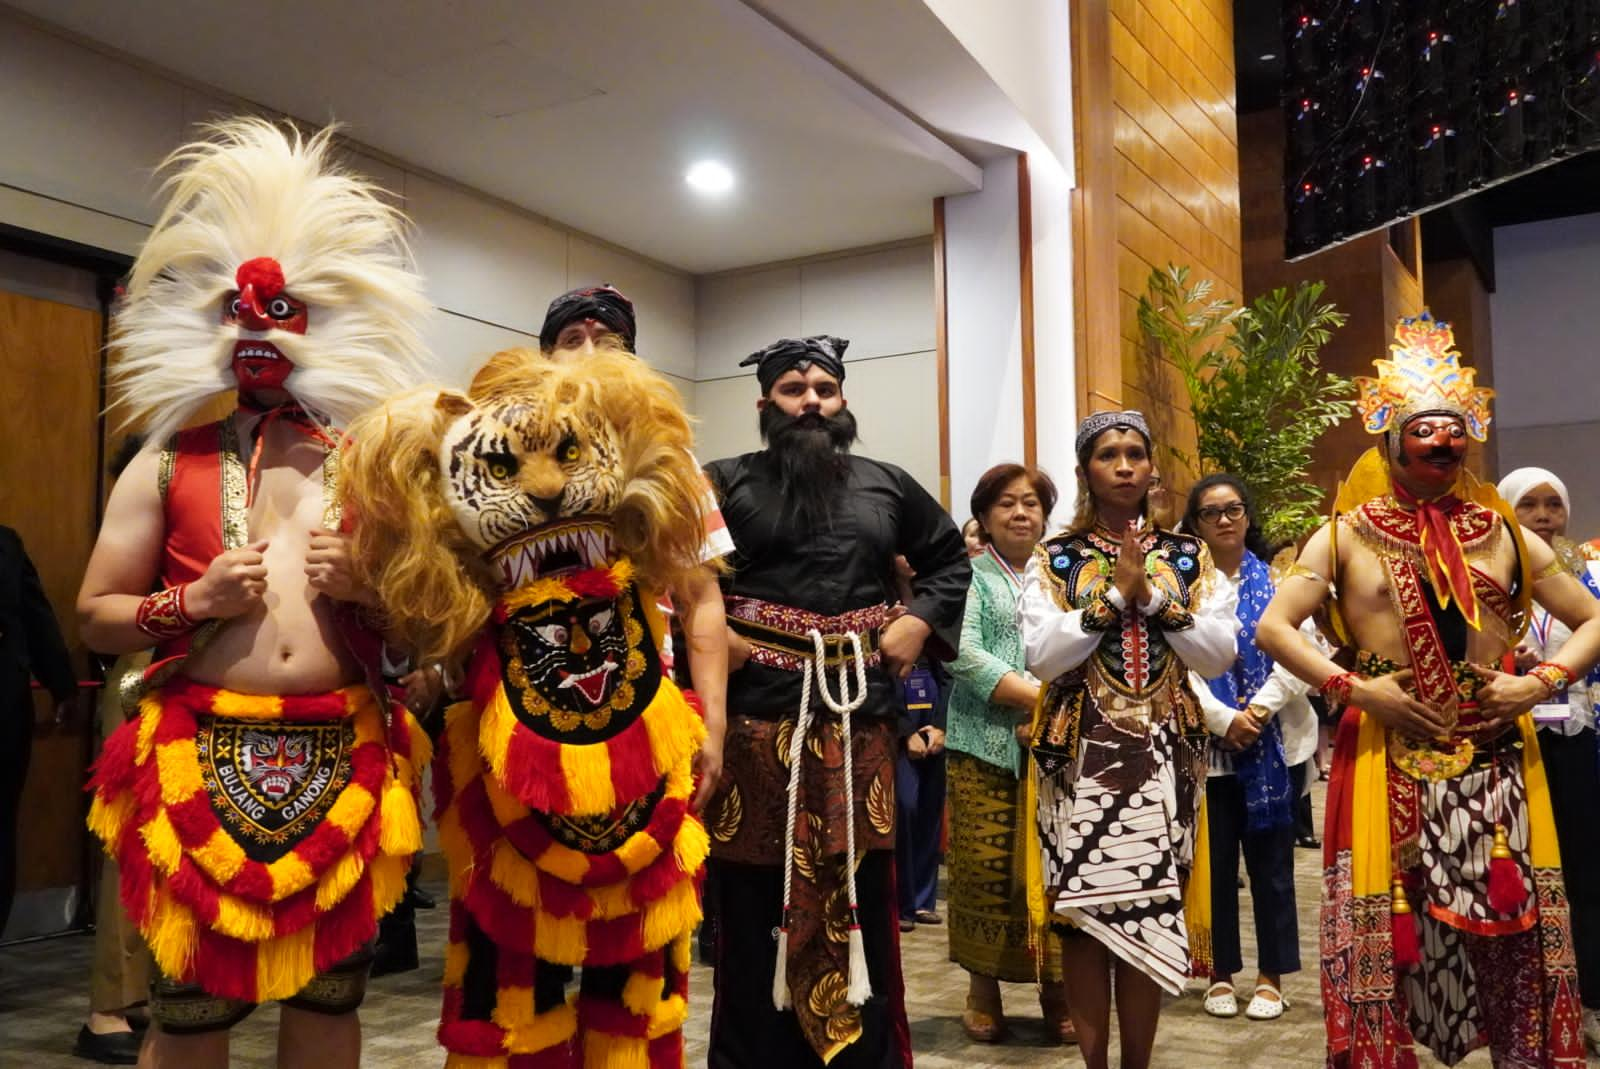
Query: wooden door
x,y
50,429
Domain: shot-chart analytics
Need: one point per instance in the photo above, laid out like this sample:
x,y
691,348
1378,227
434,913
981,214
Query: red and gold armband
x,y
162,615
1337,687
1555,677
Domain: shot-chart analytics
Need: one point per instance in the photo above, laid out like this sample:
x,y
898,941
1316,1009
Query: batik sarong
x,y
746,823
1117,814
1505,981
987,861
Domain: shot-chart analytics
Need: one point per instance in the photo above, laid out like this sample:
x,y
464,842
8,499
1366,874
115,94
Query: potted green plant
x,y
1258,392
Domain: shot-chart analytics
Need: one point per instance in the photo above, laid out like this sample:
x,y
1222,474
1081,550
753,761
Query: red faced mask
x,y
258,307
1432,448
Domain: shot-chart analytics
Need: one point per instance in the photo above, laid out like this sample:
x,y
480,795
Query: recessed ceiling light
x,y
1268,57
709,176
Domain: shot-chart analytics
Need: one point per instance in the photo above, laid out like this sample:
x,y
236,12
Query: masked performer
x,y
1113,611
1444,919
260,807
803,825
524,524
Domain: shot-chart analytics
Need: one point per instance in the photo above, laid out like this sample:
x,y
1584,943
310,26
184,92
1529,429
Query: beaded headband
x,y
1093,425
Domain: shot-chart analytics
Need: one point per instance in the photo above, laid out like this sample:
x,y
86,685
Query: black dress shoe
x,y
1308,842
109,1048
420,899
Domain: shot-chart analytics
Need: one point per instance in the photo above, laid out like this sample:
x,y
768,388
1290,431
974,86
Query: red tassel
x,y
1407,946
1507,892
1403,930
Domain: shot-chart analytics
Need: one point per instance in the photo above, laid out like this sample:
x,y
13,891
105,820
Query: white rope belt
x,y
860,987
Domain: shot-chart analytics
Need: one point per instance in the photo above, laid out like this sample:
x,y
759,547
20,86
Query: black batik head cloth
x,y
603,303
798,354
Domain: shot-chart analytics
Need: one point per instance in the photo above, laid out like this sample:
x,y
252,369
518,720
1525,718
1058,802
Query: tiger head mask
x,y
539,467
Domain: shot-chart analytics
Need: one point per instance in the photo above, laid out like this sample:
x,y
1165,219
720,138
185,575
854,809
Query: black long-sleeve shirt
x,y
838,566
30,640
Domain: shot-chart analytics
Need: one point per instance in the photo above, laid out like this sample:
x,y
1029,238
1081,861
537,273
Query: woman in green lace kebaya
x,y
993,694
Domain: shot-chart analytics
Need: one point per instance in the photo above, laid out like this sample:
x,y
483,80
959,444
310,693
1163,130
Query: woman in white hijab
x,y
1567,732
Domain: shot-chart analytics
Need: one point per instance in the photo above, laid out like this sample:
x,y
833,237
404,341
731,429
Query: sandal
x,y
982,1026
1266,1009
1057,1021
928,917
1220,1000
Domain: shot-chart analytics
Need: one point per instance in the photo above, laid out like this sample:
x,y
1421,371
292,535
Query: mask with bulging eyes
x,y
579,670
1431,450
517,465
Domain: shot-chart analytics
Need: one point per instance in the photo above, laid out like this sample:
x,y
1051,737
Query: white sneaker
x,y
1591,1029
1220,1001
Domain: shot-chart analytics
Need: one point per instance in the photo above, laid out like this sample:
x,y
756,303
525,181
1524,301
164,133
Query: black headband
x,y
785,354
601,303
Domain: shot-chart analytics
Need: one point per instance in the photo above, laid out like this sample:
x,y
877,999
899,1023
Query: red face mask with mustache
x,y
258,307
1432,449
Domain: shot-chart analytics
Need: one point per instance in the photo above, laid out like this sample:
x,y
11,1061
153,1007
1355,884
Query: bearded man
x,y
261,806
1444,916
802,827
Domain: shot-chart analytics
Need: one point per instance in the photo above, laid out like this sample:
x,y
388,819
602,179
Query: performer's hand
x,y
916,746
1130,580
1385,698
935,737
330,569
234,584
1243,731
1025,731
1502,698
424,687
738,650
708,766
901,644
1526,658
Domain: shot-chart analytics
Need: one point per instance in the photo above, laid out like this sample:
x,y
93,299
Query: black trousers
x,y
1269,861
16,746
747,1031
919,788
1572,766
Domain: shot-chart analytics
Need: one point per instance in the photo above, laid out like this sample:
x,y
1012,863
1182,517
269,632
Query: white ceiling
x,y
589,111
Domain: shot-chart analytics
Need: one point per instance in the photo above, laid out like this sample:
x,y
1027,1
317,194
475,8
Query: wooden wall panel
x,y
49,355
1174,169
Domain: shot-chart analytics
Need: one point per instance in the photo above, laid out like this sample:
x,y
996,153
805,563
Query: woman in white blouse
x,y
1114,613
1265,733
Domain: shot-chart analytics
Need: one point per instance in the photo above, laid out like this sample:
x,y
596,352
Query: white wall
x,y
83,133
984,329
1546,322
882,300
1546,327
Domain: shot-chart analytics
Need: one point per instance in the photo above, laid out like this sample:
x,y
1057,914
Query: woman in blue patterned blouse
x,y
992,695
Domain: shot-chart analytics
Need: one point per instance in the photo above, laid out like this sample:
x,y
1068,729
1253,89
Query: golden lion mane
x,y
435,586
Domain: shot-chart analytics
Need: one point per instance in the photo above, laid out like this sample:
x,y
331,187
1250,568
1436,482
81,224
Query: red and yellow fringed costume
x,y
563,790
1444,915
259,838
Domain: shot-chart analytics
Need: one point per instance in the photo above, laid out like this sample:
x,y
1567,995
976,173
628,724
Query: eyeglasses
x,y
1213,513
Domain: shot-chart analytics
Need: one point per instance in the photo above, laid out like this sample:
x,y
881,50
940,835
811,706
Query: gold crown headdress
x,y
1425,376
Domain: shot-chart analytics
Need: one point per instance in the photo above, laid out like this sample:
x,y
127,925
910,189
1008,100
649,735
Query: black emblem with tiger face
x,y
579,671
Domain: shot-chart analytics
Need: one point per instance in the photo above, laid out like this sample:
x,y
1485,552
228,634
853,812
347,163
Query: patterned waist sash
x,y
260,837
1455,689
780,635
